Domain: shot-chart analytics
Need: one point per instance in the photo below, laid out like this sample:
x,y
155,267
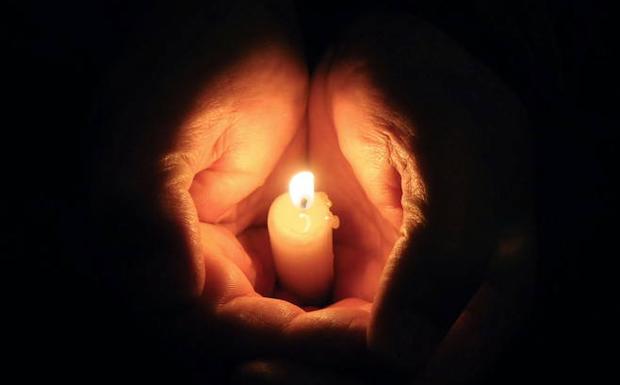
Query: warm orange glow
x,y
301,189
300,225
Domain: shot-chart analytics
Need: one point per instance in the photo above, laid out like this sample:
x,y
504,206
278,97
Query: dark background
x,y
554,54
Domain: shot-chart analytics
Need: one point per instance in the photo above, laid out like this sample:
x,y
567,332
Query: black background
x,y
554,54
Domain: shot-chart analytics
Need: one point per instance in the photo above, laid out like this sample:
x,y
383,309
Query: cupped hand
x,y
236,153
394,125
425,153
218,128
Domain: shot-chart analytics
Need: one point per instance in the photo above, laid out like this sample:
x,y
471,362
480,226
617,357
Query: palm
x,y
240,160
253,157
244,148
350,155
258,123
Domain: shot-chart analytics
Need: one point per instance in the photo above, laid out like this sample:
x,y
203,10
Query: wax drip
x,y
331,218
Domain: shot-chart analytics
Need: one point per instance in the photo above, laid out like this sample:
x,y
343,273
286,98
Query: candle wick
x,y
304,203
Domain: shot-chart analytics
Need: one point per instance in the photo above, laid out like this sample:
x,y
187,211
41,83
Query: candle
x,y
300,227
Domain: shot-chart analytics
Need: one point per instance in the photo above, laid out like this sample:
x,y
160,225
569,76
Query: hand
x,y
200,156
405,249
423,153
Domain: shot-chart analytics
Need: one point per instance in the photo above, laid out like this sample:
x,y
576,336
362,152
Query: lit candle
x,y
300,227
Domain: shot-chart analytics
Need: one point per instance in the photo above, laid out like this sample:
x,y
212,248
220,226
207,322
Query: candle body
x,y
301,244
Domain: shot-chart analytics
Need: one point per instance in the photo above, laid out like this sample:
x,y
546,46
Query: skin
x,y
412,288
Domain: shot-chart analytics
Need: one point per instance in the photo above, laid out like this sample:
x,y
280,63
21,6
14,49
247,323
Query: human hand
x,y
402,127
202,155
405,250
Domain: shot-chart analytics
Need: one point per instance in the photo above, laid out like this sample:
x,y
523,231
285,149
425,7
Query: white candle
x,y
300,227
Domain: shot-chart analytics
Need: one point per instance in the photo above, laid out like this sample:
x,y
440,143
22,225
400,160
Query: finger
x,y
251,324
147,158
173,262
426,96
475,340
491,320
254,325
266,99
369,143
243,252
368,212
253,209
249,110
283,372
353,303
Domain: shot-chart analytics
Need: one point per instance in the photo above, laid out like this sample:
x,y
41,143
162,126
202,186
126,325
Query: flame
x,y
301,189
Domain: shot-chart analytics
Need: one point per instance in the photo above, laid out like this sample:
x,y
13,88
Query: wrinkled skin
x,y
385,124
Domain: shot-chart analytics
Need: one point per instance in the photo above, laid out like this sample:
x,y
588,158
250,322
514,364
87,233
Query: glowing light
x,y
301,189
300,225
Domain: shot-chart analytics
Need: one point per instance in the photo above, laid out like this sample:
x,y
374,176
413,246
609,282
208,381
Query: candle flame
x,y
301,189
